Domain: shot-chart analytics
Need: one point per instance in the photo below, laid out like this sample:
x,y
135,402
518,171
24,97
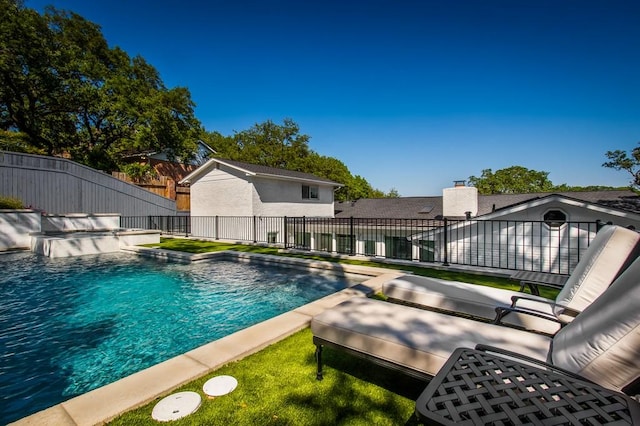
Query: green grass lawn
x,y
199,246
277,386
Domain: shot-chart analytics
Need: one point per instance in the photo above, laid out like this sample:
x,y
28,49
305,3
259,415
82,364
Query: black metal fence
x,y
175,225
505,244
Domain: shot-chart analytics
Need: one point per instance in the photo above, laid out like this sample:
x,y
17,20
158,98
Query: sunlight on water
x,y
71,325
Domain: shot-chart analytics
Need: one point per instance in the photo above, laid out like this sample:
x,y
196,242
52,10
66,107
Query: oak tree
x,y
620,160
63,87
511,180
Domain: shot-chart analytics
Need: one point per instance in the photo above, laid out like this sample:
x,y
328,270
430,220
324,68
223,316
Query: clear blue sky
x,y
411,95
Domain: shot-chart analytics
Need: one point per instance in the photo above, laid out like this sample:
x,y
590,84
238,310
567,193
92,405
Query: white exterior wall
x,y
15,227
456,202
576,212
272,197
222,193
80,222
245,205
504,241
518,245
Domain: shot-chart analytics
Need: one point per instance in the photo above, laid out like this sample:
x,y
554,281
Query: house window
x,y
555,218
397,248
309,192
324,242
427,250
369,248
343,243
272,237
303,240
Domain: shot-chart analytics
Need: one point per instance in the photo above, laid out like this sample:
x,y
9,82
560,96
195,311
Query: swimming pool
x,y
70,325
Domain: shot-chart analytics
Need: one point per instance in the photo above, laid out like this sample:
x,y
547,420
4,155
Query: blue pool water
x,y
71,325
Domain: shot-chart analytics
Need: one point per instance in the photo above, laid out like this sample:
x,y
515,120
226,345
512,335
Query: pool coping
x,y
107,402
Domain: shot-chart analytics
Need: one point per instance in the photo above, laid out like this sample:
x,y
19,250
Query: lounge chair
x,y
601,344
610,252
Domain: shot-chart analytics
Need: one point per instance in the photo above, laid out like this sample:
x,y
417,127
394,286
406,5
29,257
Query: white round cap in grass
x,y
220,385
176,406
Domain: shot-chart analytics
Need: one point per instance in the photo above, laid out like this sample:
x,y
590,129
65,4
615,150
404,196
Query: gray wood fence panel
x,y
59,186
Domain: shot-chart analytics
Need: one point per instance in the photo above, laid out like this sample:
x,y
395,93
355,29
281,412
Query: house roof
x,y
403,207
257,170
431,207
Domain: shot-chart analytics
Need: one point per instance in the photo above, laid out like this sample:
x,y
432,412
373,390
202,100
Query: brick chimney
x,y
460,201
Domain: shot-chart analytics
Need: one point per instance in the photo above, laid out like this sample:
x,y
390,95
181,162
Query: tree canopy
x,y
520,180
67,92
620,160
512,180
282,146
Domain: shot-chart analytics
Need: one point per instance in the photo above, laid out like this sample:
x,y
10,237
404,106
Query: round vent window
x,y
555,218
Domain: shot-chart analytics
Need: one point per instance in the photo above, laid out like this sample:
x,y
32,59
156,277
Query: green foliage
x,y
620,160
17,142
512,180
67,91
393,193
139,172
10,203
282,146
270,144
566,188
520,180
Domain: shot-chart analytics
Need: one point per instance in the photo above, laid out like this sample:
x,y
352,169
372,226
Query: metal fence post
x,y
284,233
352,237
255,229
304,232
216,228
599,225
446,244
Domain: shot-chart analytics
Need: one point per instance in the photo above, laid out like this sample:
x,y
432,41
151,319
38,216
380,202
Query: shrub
x,y
139,172
10,203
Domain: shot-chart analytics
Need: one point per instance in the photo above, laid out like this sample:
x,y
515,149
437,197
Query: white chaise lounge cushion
x,y
475,300
470,299
415,338
603,342
611,250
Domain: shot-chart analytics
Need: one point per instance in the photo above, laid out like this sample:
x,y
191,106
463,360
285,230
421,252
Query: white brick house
x,y
232,188
222,189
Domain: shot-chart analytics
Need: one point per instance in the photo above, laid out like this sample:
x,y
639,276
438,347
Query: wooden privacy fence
x,y
163,186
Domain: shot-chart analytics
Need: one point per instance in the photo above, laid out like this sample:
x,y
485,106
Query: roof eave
x,y
206,167
299,179
534,202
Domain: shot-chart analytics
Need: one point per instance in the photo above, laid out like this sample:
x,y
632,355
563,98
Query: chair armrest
x,y
533,286
501,311
535,279
565,309
529,360
514,300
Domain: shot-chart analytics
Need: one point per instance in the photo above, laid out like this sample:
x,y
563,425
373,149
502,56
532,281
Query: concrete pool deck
x,y
105,403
